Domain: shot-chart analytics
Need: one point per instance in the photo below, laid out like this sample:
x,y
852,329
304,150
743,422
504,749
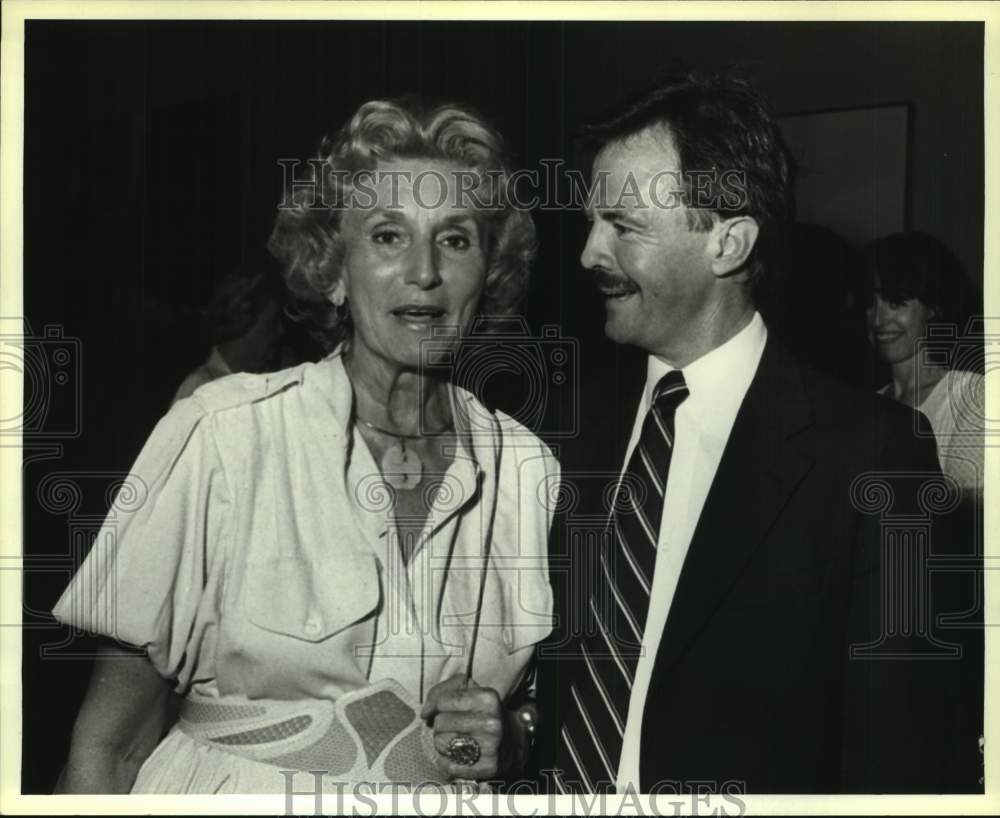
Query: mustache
x,y
609,281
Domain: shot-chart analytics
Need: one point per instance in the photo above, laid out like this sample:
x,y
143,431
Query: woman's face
x,y
415,259
894,329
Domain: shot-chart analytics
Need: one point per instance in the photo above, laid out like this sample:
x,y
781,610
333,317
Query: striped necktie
x,y
591,736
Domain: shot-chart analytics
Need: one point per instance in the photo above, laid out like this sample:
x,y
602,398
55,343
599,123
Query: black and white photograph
x,y
406,412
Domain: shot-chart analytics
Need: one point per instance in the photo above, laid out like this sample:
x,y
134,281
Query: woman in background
x,y
340,566
917,286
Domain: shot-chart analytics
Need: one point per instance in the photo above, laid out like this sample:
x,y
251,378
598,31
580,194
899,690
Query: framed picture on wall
x,y
851,169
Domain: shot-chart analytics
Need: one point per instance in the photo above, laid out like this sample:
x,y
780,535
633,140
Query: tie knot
x,y
670,391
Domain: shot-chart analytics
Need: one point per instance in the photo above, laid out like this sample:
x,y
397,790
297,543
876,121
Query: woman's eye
x,y
456,241
384,236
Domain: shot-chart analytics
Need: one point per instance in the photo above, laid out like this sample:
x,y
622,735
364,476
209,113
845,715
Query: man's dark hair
x,y
722,127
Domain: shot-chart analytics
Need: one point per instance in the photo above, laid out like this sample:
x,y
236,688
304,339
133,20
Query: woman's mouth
x,y
418,316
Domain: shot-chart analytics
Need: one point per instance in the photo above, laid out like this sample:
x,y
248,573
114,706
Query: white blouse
x,y
252,549
956,409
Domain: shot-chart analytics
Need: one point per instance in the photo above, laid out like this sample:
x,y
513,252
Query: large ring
x,y
464,750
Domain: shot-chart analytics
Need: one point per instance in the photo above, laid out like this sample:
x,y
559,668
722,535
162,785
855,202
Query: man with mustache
x,y
735,635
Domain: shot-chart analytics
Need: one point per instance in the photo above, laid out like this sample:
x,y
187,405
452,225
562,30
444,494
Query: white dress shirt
x,y
717,383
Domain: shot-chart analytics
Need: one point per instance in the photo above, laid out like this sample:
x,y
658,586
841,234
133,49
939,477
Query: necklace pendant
x,y
401,468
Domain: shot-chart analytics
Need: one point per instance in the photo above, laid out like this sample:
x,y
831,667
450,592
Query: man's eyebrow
x,y
618,213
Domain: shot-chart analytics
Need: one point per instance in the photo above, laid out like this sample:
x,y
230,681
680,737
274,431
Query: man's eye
x,y
622,229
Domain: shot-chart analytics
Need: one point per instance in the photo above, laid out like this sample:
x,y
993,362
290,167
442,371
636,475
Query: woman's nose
x,y
422,268
881,311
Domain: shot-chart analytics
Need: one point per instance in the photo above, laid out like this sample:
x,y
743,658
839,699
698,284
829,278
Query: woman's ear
x,y
733,242
338,294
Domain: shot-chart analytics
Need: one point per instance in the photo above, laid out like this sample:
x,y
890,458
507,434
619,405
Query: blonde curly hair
x,y
306,237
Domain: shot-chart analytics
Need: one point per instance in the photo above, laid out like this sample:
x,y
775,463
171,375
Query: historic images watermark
x,y
664,798
313,185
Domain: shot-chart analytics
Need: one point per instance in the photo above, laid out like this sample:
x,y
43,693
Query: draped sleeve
x,y
153,576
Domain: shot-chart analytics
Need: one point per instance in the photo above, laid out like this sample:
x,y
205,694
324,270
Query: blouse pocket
x,y
311,600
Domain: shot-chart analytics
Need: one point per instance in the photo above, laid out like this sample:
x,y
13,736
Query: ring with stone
x,y
464,750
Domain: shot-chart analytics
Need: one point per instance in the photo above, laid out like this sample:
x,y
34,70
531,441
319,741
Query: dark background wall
x,y
151,170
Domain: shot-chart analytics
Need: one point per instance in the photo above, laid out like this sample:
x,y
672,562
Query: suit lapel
x,y
760,467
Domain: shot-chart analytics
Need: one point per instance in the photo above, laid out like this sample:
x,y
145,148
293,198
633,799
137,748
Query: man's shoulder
x,y
848,401
843,411
830,396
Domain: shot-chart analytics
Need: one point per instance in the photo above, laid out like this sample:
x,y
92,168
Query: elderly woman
x,y
915,282
341,566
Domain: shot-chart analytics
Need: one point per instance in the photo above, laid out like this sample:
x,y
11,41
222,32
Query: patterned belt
x,y
370,735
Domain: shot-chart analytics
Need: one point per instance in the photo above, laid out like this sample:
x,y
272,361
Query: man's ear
x,y
733,241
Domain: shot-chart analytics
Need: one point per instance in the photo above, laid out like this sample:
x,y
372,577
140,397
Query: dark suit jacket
x,y
754,684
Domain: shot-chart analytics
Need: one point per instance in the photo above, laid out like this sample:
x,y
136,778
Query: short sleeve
x,y
145,580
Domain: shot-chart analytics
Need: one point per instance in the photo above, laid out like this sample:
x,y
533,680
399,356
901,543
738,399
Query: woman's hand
x,y
453,709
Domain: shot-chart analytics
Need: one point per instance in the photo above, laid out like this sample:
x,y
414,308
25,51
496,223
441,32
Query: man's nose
x,y
422,266
594,251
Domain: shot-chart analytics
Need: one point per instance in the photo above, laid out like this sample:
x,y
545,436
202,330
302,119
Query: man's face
x,y
654,271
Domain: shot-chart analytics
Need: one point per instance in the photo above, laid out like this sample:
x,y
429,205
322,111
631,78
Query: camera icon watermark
x,y
500,353
964,353
49,365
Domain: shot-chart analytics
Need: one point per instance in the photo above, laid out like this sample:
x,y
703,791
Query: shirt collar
x,y
718,380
